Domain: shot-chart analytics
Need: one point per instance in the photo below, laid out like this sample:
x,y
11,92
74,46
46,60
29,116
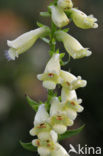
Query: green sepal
x,y
66,30
70,133
51,94
45,14
63,63
28,146
46,40
32,103
40,24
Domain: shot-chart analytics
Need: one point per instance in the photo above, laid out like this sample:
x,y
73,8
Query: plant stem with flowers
x,y
54,116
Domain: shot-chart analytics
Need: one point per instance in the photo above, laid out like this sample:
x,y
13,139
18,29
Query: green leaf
x,y
45,14
32,103
70,133
28,146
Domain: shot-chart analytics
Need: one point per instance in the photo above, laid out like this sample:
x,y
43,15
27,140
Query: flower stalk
x,y
54,116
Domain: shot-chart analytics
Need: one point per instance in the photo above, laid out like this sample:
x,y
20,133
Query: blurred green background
x,y
18,78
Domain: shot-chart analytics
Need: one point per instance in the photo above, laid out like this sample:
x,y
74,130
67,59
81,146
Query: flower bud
x,y
58,16
65,4
72,46
83,21
50,77
25,42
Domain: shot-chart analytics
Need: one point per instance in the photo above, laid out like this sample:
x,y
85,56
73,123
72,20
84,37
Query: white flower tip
x,y
72,114
88,53
60,129
43,151
44,135
32,132
84,83
39,76
95,25
80,109
80,101
54,135
8,56
9,43
49,84
34,142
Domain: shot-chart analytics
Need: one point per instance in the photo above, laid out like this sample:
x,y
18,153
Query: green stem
x,y
52,42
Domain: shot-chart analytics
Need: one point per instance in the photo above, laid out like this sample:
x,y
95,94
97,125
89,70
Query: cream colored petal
x,y
44,135
53,66
54,136
11,54
41,116
71,114
55,106
60,151
67,76
68,95
60,129
43,151
32,132
49,84
65,4
34,142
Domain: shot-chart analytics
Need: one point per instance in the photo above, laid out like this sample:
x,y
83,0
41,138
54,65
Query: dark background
x,y
18,78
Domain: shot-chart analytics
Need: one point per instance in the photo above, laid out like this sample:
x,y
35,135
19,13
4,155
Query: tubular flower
x,y
71,105
25,41
70,81
41,126
58,16
50,77
73,47
83,21
45,147
58,119
65,4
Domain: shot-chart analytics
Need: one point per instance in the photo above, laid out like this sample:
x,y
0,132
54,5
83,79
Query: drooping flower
x,y
72,46
59,18
70,81
59,119
71,105
65,4
42,127
50,77
81,20
45,147
25,41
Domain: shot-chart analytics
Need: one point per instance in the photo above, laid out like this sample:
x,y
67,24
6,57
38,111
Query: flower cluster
x,y
48,124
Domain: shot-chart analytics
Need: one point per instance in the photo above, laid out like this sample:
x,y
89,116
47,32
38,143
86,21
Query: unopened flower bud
x,y
59,18
72,46
25,42
65,4
83,21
